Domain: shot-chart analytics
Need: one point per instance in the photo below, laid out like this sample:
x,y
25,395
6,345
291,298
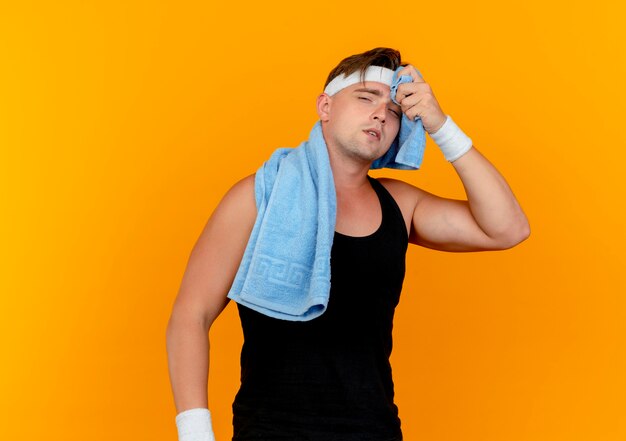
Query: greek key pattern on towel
x,y
281,272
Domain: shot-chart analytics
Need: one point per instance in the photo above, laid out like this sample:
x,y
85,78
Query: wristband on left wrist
x,y
451,140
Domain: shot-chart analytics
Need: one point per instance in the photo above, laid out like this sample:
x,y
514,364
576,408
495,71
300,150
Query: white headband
x,y
373,73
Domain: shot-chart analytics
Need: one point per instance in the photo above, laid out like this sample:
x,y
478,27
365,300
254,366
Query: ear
x,y
323,106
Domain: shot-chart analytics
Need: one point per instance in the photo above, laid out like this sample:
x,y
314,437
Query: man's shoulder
x,y
406,195
399,188
246,182
239,200
242,189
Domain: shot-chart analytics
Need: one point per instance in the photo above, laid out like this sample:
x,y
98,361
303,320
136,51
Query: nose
x,y
380,112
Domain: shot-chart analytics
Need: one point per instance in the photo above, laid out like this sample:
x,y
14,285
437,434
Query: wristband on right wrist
x,y
195,425
451,140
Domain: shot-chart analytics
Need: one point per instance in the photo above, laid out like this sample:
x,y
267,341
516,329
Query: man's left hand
x,y
417,99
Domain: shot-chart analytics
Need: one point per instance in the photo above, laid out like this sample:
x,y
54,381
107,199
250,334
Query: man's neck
x,y
349,175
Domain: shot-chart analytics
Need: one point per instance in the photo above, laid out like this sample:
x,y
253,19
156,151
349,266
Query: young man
x,y
329,378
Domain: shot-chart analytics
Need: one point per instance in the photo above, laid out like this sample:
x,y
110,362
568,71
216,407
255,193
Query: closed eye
x,y
397,114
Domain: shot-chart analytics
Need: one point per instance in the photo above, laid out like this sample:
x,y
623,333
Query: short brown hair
x,y
380,56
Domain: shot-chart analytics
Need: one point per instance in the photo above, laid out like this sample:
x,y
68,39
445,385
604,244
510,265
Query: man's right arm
x,y
210,272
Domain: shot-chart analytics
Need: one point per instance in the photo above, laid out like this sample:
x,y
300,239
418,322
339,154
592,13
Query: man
x,y
329,378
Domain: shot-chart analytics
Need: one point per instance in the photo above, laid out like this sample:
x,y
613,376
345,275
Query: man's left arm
x,y
491,218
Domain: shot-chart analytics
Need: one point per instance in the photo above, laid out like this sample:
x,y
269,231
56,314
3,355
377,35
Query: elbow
x,y
183,328
176,327
521,237
184,321
171,325
523,230
517,235
170,331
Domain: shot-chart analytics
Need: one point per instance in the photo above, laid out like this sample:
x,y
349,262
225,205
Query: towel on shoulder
x,y
285,269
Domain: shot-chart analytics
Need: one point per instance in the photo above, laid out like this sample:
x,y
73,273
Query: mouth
x,y
374,133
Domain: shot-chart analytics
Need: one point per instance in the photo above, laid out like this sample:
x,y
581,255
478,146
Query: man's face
x,y
362,121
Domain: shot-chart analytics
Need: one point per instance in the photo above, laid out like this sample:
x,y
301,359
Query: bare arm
x,y
210,271
491,218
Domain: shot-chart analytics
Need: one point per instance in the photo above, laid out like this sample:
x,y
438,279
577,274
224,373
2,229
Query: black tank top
x,y
330,378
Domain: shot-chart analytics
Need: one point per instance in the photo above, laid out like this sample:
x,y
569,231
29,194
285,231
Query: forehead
x,y
372,86
378,89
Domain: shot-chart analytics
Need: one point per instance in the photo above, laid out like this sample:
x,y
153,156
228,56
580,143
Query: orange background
x,y
122,125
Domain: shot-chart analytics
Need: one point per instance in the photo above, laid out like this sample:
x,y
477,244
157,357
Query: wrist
x,y
195,425
451,140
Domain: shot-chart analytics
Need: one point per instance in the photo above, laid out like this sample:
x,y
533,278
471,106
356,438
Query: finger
x,y
411,101
407,89
410,70
413,111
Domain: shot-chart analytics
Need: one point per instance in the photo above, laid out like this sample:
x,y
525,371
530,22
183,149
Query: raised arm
x,y
490,218
210,271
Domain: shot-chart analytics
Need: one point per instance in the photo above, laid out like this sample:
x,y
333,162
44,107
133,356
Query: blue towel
x,y
407,150
285,269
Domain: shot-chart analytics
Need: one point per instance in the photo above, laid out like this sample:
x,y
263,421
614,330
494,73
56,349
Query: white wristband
x,y
195,425
451,140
